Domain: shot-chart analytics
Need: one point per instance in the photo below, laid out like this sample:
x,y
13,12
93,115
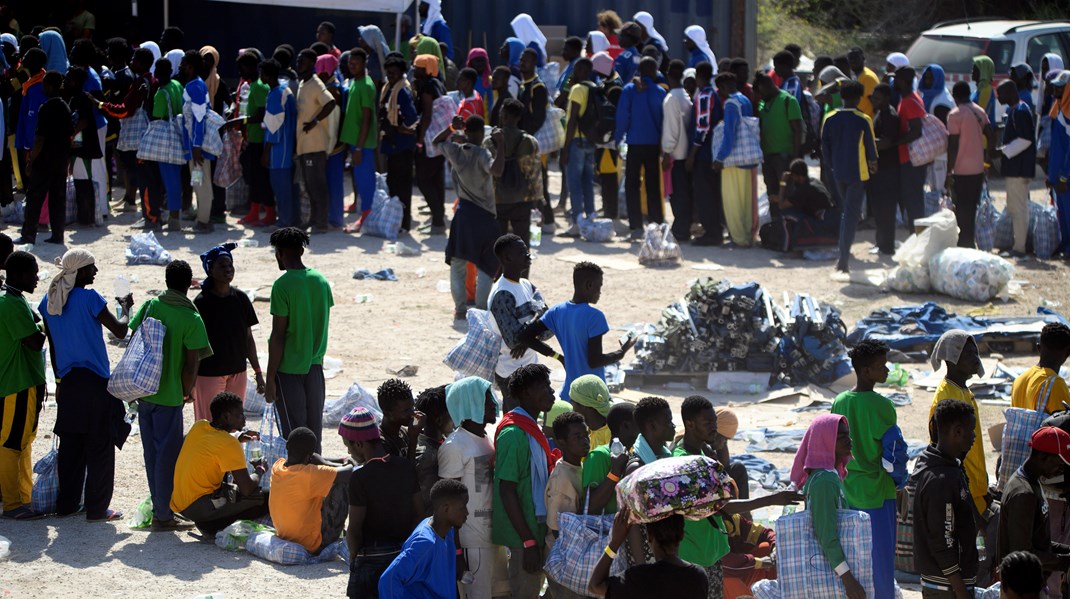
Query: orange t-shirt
x,y
296,501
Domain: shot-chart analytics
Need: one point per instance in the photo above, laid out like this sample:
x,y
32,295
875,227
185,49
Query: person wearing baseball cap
x,y
384,503
1023,518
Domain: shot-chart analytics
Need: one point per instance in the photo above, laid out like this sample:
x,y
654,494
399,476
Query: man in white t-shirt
x,y
468,456
514,302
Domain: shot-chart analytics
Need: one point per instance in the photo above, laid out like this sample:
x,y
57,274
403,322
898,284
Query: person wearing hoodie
x,y
1022,76
640,113
698,48
934,95
945,534
985,93
819,469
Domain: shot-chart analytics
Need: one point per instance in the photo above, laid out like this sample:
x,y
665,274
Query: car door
x,y
1041,44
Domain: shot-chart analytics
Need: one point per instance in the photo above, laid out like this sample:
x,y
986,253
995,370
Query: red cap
x,y
1051,439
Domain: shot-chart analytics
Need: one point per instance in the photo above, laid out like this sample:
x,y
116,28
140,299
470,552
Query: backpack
x,y
598,122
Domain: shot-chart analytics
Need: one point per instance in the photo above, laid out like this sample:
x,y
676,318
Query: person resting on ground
x,y
209,452
309,498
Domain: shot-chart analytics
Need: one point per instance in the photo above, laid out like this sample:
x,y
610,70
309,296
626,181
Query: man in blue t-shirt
x,y
579,328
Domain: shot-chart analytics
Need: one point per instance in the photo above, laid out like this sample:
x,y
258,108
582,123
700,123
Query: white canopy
x,y
388,6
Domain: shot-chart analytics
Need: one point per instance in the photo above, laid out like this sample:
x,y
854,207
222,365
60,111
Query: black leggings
x,y
967,195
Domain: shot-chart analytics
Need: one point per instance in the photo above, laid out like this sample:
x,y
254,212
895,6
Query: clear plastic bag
x,y
145,249
233,537
598,230
941,232
142,515
659,246
335,409
970,274
909,279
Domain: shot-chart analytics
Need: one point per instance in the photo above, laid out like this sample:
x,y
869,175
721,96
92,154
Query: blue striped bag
x,y
1046,235
985,219
46,485
747,149
385,217
477,353
131,130
578,548
1021,424
266,545
802,569
138,372
164,140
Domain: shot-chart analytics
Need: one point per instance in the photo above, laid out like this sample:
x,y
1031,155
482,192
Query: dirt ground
x,y
408,322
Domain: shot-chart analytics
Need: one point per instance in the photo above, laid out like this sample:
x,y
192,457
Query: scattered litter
x,y
598,230
405,371
331,367
363,298
402,249
386,274
986,310
603,261
5,548
141,517
707,266
900,399
248,242
442,286
421,273
145,249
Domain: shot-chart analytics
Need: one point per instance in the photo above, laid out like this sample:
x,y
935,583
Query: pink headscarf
x,y
602,63
818,449
475,53
326,64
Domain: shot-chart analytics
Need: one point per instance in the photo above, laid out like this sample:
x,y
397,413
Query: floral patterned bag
x,y
695,487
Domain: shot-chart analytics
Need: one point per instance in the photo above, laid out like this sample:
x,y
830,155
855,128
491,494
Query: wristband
x,y
556,356
612,477
528,544
460,552
612,554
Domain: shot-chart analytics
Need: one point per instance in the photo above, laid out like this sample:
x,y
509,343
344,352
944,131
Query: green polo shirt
x,y
361,95
776,116
20,366
258,93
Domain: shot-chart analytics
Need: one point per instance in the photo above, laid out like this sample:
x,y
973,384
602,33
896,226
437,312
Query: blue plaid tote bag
x,y
138,372
985,231
46,486
164,140
385,217
131,130
1021,424
802,569
578,548
476,354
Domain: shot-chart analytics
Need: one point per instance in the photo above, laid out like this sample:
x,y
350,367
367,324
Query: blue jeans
x,y
853,194
282,183
364,179
336,169
172,184
161,438
580,177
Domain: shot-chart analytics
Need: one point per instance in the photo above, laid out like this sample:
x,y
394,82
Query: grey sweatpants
x,y
299,399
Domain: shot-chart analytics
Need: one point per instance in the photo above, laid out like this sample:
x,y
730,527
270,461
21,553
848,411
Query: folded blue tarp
x,y
907,328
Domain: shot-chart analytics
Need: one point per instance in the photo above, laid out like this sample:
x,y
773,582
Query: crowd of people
x,y
427,497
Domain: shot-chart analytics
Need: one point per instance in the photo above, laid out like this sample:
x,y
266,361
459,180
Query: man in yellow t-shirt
x,y
208,453
578,153
309,495
1054,348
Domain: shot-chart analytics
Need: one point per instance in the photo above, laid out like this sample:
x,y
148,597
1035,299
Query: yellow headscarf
x,y
212,80
428,63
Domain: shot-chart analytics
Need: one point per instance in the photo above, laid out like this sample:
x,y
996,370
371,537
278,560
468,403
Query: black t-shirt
x,y
886,126
811,198
659,579
88,145
385,487
55,126
227,320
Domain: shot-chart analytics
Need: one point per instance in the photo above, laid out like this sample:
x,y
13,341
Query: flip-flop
x,y
109,516
23,513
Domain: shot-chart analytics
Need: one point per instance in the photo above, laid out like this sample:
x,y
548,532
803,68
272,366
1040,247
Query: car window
x,y
956,54
1038,46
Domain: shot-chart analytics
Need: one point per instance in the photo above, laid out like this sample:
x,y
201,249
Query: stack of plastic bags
x,y
355,396
598,230
912,273
144,249
970,274
659,246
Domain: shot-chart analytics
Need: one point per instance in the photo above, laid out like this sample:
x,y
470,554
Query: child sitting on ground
x,y
426,568
208,453
309,498
384,503
872,477
437,426
1054,348
563,486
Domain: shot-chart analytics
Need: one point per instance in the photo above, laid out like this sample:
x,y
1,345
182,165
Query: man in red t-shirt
x,y
469,102
911,114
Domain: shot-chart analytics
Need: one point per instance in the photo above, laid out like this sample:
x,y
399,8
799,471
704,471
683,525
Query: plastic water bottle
x,y
196,176
536,235
122,289
616,448
248,243
363,298
131,412
982,553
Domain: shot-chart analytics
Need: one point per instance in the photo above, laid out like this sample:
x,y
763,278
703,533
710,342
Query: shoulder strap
x,y
1045,393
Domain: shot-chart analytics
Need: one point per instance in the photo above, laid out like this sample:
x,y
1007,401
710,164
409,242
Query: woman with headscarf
x,y
52,44
429,46
699,47
596,42
525,29
373,41
89,420
155,49
326,69
646,20
819,469
434,24
985,94
480,61
228,317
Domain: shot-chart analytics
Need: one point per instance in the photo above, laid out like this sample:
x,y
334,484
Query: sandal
x,y
24,513
109,516
352,227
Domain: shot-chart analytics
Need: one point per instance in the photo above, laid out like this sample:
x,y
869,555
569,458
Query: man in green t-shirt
x,y
601,470
518,520
869,486
360,129
22,384
782,133
159,416
301,302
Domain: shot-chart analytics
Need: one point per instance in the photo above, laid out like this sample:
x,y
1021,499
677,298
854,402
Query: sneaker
x,y
172,525
573,231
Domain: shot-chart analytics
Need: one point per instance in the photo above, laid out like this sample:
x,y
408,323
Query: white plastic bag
x,y
145,249
598,230
970,274
659,246
335,409
941,232
909,279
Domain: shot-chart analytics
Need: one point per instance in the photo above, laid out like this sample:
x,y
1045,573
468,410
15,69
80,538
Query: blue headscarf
x,y
208,259
936,91
516,48
52,43
466,399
